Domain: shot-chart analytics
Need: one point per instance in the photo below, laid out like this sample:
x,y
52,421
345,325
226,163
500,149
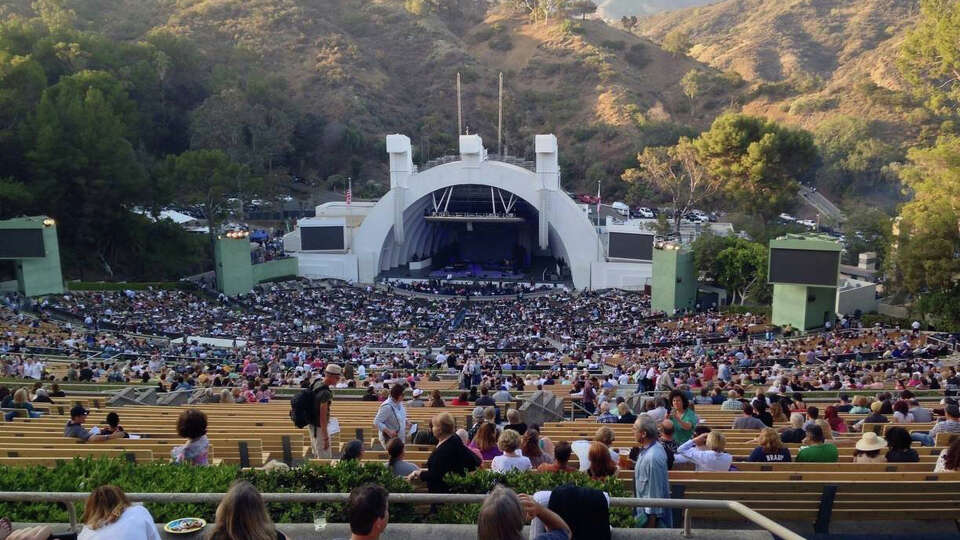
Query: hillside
x,y
614,9
814,63
388,66
824,58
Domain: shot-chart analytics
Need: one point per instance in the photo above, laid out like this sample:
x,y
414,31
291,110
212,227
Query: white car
x,y
808,223
787,217
645,212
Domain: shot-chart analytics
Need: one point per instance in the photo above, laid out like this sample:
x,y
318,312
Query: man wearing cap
x,y
75,429
416,401
323,397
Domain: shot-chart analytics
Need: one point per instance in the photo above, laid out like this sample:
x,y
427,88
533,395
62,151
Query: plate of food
x,y
185,525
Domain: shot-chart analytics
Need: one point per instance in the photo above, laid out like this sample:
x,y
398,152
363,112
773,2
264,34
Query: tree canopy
x,y
760,162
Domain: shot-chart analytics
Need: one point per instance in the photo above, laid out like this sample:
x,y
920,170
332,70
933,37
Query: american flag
x,y
349,192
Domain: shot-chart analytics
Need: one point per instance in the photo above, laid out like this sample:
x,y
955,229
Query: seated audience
x,y
626,416
747,420
192,424
514,423
108,514
868,449
486,441
771,449
605,416
395,448
601,465
368,511
582,447
510,459
450,456
949,459
530,447
712,457
504,512
75,429
561,459
795,433
352,451
832,416
242,515
898,442
817,450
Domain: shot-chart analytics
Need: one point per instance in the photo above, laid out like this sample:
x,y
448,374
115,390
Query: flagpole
x,y
349,211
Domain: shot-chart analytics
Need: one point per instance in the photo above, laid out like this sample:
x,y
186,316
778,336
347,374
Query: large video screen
x,y
21,243
804,267
321,238
631,246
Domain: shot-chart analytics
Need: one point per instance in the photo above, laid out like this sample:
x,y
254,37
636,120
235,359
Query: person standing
x,y
650,475
391,419
323,398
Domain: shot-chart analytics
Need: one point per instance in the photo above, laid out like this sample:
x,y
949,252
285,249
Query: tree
x,y
676,42
629,23
207,178
854,161
583,8
742,267
929,57
759,162
928,243
83,166
677,173
13,195
696,84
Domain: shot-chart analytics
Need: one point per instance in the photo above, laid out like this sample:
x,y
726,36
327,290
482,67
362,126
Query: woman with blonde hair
x,y
827,431
21,400
711,459
510,460
861,405
776,411
242,515
770,449
108,514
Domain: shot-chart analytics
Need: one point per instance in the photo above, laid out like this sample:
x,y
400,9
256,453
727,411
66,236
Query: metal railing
x,y
70,499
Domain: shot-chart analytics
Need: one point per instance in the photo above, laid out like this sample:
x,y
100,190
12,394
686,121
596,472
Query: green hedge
x,y
85,474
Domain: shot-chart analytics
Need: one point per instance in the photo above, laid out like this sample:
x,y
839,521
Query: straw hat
x,y
870,441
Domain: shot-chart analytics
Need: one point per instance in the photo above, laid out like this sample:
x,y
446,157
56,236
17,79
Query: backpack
x,y
303,406
303,411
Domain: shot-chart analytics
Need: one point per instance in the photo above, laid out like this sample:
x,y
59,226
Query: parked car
x,y
621,208
808,223
587,198
787,218
645,213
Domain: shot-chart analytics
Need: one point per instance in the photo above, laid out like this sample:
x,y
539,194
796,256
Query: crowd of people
x,y
452,288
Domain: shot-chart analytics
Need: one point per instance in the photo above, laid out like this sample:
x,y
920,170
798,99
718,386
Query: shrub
x,y
501,43
86,474
613,45
637,56
808,104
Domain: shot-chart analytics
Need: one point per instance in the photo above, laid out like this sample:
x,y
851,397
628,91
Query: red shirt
x,y
709,373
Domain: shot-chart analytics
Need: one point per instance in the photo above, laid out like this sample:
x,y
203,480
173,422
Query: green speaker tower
x,y
674,278
233,265
32,243
804,271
